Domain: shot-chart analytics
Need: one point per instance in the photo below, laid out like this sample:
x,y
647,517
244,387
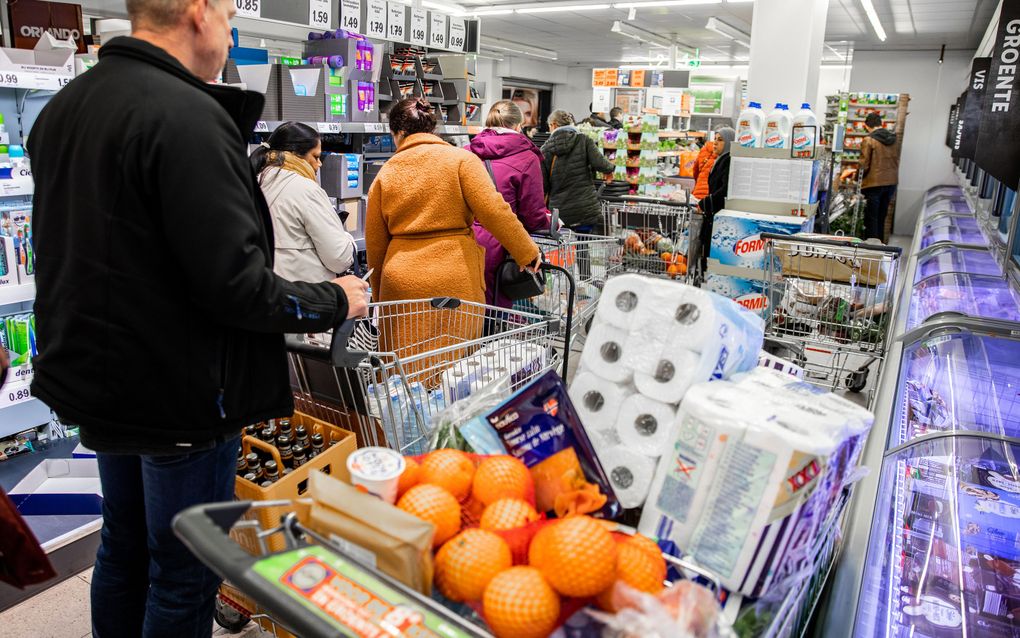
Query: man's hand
x,y
356,290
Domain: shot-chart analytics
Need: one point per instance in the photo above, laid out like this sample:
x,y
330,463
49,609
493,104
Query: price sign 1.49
x,y
437,31
248,8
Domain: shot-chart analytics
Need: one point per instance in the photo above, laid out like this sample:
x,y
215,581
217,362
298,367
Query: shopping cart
x,y
385,377
828,306
309,587
660,237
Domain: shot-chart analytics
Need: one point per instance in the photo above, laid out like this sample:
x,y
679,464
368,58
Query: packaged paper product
x,y
629,472
748,291
736,236
597,402
605,353
644,425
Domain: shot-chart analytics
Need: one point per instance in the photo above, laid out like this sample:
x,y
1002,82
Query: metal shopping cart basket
x,y
829,303
659,236
386,376
315,589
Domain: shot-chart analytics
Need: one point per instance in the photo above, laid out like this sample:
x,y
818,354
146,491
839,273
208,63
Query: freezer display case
x,y
944,556
956,293
946,206
952,258
952,229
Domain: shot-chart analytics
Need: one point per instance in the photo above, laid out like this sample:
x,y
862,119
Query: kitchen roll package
x,y
744,491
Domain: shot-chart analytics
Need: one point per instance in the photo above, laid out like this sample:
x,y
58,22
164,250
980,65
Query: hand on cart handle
x,y
356,290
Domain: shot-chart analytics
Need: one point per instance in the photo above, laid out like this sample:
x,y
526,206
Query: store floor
x,y
34,618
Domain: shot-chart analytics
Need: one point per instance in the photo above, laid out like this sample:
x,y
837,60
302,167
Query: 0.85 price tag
x,y
320,14
248,8
375,26
419,27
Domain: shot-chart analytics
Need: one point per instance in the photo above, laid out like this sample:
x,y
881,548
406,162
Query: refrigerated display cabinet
x,y
963,294
947,206
952,229
952,258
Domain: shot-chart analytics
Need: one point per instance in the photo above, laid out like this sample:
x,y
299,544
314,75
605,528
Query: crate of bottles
x,y
275,461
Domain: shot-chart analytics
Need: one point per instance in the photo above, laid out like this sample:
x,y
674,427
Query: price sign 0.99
x,y
437,31
396,22
248,8
375,19
419,27
350,15
457,34
320,14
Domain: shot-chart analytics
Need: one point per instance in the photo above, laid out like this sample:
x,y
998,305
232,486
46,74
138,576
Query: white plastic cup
x,y
378,470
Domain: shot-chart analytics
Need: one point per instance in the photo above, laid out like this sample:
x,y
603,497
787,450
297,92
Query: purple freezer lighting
x,y
974,261
956,230
979,296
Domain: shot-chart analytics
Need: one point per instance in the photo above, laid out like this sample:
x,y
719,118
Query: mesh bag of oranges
x,y
525,574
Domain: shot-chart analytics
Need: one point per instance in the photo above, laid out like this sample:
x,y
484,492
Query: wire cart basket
x,y
659,236
829,304
311,587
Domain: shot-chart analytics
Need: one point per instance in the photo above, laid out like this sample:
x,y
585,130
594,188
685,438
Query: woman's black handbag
x,y
511,281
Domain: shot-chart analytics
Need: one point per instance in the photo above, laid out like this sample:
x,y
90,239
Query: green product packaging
x,y
18,341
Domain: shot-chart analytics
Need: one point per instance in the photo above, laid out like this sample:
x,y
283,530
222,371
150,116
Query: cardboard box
x,y
60,487
736,236
747,291
82,452
831,263
50,65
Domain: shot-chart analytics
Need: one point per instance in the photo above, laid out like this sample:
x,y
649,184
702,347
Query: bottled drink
x,y
301,436
265,484
268,435
285,428
317,446
287,471
300,456
255,465
251,430
272,471
242,466
251,477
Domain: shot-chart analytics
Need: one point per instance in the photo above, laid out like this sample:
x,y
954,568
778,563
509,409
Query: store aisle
x,y
62,611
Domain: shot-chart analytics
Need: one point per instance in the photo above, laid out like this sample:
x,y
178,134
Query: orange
x,y
449,469
409,477
576,555
508,513
502,477
435,505
667,257
519,603
637,565
468,561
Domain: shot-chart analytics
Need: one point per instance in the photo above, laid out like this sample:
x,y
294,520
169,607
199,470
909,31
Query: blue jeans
x,y
146,583
878,199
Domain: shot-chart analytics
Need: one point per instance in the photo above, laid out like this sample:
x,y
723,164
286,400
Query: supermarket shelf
x,y
681,134
368,128
16,294
23,415
872,106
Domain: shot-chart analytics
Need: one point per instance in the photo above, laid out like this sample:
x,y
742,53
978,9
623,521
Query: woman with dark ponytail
x,y
311,242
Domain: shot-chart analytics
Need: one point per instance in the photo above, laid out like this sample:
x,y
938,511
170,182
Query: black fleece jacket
x,y
160,321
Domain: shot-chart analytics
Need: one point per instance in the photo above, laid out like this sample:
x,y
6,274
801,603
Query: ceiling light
x,y
637,33
517,47
661,3
738,1
490,12
455,9
551,8
869,9
728,31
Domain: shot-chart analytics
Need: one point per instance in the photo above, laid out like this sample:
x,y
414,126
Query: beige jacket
x,y
311,242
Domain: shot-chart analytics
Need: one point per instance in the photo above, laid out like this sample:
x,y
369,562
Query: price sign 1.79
x,y
248,8
375,23
396,22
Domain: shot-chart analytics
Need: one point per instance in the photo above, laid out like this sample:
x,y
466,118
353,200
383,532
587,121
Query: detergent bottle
x,y
751,126
778,126
805,138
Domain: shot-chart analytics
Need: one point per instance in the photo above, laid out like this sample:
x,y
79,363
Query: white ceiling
x,y
584,38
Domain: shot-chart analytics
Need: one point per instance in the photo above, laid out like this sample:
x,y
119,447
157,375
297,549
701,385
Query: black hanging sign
x,y
958,127
972,110
998,146
954,112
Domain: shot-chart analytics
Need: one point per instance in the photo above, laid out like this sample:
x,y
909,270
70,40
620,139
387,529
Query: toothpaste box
x,y
736,236
746,291
8,262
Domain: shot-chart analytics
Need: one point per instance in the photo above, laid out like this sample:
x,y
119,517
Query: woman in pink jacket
x,y
515,164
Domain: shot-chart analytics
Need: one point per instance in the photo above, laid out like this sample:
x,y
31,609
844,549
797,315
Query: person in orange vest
x,y
702,167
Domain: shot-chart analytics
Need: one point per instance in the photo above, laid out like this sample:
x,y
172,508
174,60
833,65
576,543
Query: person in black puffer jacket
x,y
571,159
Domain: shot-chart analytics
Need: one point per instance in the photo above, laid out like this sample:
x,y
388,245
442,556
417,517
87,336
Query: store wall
x,y
925,161
574,95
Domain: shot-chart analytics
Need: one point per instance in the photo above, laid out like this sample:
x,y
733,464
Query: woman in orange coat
x,y
421,208
702,167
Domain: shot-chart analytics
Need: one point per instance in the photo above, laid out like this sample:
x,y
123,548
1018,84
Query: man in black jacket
x,y
160,321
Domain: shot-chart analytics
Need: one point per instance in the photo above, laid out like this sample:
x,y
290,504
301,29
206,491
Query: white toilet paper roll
x,y
629,473
645,425
596,401
604,352
621,299
676,371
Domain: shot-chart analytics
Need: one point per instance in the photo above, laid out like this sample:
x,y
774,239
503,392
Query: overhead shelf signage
x,y
248,8
419,27
458,34
350,15
396,22
320,14
437,30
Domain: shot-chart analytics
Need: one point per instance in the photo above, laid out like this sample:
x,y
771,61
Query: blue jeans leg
x,y
146,582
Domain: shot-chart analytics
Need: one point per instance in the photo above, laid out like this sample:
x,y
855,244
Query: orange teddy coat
x,y
419,240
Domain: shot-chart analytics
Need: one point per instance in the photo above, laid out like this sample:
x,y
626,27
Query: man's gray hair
x,y
158,13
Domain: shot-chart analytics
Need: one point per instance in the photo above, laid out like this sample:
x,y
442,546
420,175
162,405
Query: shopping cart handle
x,y
204,530
339,355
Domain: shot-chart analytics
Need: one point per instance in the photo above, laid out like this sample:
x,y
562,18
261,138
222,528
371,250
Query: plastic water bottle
x,y
805,138
778,126
751,126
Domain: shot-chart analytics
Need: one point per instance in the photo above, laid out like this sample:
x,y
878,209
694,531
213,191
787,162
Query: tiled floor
x,y
63,612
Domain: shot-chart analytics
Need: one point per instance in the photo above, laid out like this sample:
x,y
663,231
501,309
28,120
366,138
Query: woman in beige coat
x,y
311,242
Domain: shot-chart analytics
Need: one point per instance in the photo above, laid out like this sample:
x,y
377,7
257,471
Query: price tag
x,y
375,127
25,80
458,33
375,19
248,8
261,126
350,15
328,127
437,30
320,14
15,393
456,130
396,22
419,27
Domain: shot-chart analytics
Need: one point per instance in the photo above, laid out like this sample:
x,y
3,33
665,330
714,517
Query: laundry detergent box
x,y
747,291
736,236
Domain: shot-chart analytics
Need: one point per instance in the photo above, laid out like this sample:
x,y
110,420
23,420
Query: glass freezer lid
x,y
950,258
952,229
979,296
944,553
962,381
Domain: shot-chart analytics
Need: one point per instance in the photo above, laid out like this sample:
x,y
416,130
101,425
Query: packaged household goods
x,y
805,129
778,127
736,236
751,126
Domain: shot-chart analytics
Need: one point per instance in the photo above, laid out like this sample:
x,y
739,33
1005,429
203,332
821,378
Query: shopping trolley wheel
x,y
855,381
229,618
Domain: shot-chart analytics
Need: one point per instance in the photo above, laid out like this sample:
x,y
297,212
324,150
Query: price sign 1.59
x,y
248,8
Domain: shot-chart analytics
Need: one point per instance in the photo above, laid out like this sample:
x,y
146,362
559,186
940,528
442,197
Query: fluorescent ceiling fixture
x,y
869,9
490,12
551,8
728,31
517,47
662,3
637,33
738,1
455,9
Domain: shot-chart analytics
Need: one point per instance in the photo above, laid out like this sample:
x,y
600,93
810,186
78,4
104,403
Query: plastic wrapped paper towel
x,y
754,469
